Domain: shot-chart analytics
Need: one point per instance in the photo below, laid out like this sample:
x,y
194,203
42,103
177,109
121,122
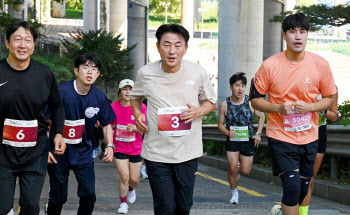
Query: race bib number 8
x,y
170,123
20,133
241,133
73,131
297,122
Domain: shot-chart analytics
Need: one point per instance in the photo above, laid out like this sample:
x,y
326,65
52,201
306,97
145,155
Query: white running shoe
x,y
123,208
11,212
276,210
131,196
143,172
234,198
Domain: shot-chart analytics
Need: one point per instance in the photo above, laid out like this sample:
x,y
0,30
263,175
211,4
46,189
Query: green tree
x,y
319,15
114,59
156,6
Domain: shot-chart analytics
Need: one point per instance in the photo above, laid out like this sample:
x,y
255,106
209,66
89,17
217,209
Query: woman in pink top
x,y
128,145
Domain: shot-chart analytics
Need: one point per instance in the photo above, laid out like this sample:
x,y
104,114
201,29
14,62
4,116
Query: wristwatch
x,y
111,145
258,133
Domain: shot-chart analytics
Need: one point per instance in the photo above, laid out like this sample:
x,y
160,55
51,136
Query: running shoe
x,y
234,198
123,209
143,173
276,210
11,212
131,196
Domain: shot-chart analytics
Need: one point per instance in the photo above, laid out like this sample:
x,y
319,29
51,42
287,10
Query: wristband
x,y
111,145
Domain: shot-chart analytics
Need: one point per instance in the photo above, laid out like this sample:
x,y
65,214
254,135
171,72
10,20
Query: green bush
x,y
61,66
212,148
211,118
344,113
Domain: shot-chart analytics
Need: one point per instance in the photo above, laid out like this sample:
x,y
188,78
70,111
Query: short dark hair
x,y
173,28
238,77
86,57
15,25
298,20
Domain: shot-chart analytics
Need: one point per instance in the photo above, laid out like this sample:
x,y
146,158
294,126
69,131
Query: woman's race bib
x,y
170,124
242,133
20,133
122,134
297,122
73,131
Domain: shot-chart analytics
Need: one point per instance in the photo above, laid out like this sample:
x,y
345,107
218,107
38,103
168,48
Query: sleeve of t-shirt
x,y
56,107
107,115
206,91
137,90
327,85
261,80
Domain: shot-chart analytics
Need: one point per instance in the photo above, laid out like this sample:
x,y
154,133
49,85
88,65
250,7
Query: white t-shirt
x,y
189,85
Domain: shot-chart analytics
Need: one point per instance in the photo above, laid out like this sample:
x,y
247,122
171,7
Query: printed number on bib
x,y
297,122
241,133
170,123
20,133
73,131
123,135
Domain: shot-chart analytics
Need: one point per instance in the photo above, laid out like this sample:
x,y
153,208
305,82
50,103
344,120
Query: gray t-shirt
x,y
189,85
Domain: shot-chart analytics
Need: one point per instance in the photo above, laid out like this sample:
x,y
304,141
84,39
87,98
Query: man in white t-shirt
x,y
178,94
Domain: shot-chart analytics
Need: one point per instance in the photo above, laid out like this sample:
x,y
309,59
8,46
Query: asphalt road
x,y
211,196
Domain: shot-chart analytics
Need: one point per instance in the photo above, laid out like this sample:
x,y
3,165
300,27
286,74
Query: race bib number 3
x,y
170,123
241,133
122,134
20,133
73,131
297,122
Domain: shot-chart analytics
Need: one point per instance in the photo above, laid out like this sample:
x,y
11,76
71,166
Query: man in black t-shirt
x,y
26,87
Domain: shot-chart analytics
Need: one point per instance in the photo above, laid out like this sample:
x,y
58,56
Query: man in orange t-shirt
x,y
293,79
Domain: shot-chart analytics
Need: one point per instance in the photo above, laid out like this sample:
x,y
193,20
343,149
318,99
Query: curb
x,y
326,190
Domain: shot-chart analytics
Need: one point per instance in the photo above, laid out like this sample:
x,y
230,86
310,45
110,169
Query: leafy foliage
x,y
319,15
61,66
211,118
156,6
114,59
344,113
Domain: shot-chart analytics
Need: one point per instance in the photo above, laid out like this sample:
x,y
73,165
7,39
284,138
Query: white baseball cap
x,y
126,82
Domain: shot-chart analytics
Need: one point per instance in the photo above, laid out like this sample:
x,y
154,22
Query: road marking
x,y
251,192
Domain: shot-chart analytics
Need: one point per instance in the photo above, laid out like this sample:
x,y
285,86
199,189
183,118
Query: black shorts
x,y
288,157
322,139
246,148
132,158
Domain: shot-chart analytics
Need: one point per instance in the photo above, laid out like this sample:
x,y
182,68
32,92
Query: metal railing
x,y
338,142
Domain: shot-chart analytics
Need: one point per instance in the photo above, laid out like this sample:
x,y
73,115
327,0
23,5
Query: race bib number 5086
x,y
170,123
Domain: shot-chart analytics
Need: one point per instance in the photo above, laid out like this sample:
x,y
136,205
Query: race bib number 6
x,y
73,131
170,123
297,122
20,133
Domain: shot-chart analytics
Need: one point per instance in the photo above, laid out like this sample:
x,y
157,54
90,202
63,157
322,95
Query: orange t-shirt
x,y
284,81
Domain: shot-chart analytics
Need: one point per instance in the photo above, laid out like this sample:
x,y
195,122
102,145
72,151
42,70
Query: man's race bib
x,y
322,120
73,131
122,134
20,133
297,122
241,133
170,124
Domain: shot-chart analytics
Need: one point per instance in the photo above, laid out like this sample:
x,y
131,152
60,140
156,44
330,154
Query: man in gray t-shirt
x,y
178,94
